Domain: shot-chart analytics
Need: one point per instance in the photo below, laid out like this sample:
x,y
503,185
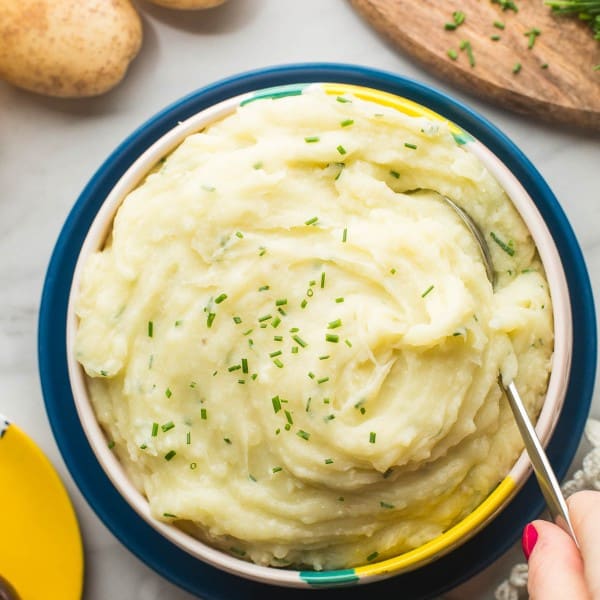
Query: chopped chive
x,y
288,417
168,393
311,375
227,441
341,165
322,279
287,427
392,271
339,300
499,24
385,505
251,477
276,404
278,338
276,469
347,122
150,328
372,437
324,357
234,368
170,454
281,312
372,556
308,404
299,341
193,466
517,68
343,100
257,165
167,426
466,46
427,291
334,324
326,400
281,302
506,247
545,66
275,322
294,350
264,288
264,318
330,337
276,353
278,363
220,298
345,235
312,282
103,372
203,414
532,34
241,381
169,515
294,330
395,174
111,444
453,54
150,361
328,461
244,365
311,139
178,323
263,250
494,38
239,234
311,221
154,429
303,303
210,319
323,380
303,434
188,438
309,292
237,320
411,146
248,332
341,150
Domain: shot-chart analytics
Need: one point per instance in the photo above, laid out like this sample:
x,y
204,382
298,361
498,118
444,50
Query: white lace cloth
x,y
586,478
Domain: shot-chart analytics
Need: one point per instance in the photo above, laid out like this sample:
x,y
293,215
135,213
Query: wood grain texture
x,y
566,92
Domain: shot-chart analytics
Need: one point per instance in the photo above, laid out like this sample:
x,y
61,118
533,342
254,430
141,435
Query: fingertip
x,y
555,565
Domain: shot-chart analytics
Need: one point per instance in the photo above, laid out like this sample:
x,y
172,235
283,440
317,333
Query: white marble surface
x,y
49,148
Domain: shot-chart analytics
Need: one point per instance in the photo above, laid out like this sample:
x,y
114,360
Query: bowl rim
x,y
345,71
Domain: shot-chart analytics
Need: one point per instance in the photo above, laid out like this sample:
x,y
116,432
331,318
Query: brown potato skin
x,y
188,4
67,48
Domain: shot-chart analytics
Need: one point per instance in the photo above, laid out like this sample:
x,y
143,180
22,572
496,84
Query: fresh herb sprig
x,y
586,10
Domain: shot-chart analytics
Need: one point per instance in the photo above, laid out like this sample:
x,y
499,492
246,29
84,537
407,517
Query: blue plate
x,y
143,540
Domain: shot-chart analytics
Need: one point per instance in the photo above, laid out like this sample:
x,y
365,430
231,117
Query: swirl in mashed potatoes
x,y
296,360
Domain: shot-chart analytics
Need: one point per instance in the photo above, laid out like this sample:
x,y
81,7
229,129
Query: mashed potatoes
x,y
296,354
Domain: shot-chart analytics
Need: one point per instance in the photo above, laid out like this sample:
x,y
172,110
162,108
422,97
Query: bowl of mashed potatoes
x,y
283,346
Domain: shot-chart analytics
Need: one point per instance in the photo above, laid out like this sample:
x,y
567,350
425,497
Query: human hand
x,y
558,570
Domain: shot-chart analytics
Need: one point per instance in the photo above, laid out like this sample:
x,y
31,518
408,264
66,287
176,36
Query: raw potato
x,y
67,48
188,4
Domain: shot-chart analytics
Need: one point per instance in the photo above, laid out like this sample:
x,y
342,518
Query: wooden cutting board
x,y
566,91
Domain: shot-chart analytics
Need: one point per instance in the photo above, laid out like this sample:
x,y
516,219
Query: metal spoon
x,y
7,591
544,473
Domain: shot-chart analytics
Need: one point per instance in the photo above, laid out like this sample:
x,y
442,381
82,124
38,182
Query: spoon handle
x,y
541,465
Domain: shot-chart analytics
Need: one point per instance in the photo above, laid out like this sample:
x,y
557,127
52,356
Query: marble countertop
x,y
49,148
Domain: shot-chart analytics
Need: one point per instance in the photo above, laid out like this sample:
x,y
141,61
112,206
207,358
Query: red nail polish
x,y
528,540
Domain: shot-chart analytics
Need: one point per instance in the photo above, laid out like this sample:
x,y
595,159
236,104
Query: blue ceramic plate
x,y
160,554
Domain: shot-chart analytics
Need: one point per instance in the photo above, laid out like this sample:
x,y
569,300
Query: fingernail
x,y
528,540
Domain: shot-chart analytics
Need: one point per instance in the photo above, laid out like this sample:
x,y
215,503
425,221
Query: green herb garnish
x,y
169,455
